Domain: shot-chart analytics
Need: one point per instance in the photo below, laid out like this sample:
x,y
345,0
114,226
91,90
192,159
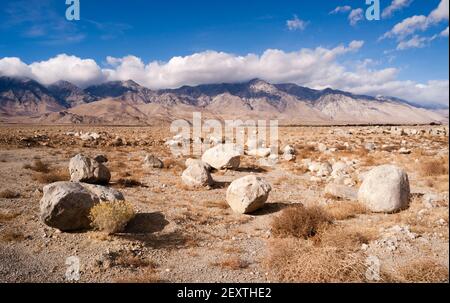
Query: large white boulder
x,y
247,194
223,156
66,205
84,169
385,189
196,175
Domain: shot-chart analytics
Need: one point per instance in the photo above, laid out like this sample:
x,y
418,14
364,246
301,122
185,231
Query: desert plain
x,y
303,233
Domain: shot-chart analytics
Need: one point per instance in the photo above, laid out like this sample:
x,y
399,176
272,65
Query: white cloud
x,y
440,13
312,67
414,42
341,9
444,33
419,22
356,16
296,24
396,5
14,67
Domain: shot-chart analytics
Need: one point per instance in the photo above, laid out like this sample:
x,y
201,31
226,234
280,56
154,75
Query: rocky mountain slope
x,y
127,102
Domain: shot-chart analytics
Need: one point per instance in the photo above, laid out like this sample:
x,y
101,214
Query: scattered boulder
x,y
247,194
196,175
84,169
259,152
341,192
321,169
289,153
339,169
66,205
223,156
190,162
404,151
321,147
385,189
370,146
151,161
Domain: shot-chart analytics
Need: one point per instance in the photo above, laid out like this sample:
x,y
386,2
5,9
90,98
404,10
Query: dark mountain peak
x,y
63,84
257,81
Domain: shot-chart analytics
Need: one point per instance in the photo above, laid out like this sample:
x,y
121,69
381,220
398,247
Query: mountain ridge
x,y
255,99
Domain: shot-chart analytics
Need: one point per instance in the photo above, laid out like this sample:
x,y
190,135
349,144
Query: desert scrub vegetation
x,y
111,217
300,221
297,260
38,166
9,194
51,176
426,270
345,210
436,167
6,216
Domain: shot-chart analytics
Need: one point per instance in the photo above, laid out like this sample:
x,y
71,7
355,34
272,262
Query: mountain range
x,y
127,102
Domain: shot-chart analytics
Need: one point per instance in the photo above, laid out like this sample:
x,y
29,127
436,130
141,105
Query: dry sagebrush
x,y
111,217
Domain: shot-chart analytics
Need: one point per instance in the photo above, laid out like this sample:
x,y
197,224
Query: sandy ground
x,y
183,235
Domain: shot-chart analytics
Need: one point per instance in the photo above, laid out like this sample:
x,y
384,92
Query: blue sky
x,y
34,31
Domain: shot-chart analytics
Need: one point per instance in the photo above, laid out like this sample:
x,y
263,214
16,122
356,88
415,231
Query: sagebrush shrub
x,y
300,221
111,217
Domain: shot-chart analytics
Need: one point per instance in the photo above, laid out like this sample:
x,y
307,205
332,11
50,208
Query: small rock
x,y
151,161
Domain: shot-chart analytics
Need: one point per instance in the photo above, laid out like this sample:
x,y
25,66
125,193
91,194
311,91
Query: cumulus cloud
x,y
417,23
341,9
312,67
444,33
296,24
414,42
396,5
355,16
14,67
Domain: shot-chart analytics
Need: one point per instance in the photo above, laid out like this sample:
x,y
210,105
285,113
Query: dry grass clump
x,y
174,165
433,168
301,222
345,210
127,183
6,216
111,217
422,271
51,177
233,263
350,237
38,166
12,236
9,194
221,204
295,260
